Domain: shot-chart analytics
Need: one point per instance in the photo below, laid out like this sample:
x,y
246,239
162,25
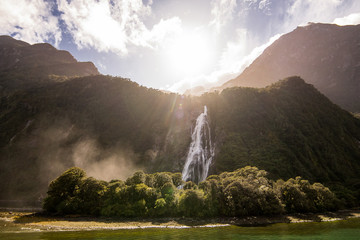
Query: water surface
x,y
344,229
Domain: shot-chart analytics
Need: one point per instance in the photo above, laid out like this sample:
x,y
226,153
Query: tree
x,y
192,203
244,192
161,178
138,178
299,195
91,196
62,191
177,179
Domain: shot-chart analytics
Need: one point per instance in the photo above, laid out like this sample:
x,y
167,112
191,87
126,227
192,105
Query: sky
x,y
167,44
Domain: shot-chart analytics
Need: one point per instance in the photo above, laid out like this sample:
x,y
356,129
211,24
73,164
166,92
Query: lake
x,y
344,229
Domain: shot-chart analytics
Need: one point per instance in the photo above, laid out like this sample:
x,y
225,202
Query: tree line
x,y
244,192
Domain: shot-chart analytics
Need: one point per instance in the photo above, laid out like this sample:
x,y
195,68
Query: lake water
x,y
345,229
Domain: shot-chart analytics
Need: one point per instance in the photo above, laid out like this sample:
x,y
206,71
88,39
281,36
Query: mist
x,y
104,164
45,149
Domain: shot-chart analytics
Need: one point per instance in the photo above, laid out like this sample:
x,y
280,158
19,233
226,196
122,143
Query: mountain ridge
x,y
325,55
23,65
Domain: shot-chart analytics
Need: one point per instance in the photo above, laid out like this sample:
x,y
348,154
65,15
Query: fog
x,y
45,149
113,163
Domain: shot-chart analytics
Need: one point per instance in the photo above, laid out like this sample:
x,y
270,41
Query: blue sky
x,y
167,44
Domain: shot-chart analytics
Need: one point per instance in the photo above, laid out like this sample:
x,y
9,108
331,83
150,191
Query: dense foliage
x,y
45,125
246,191
288,129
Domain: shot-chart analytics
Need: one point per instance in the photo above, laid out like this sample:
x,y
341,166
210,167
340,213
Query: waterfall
x,y
201,151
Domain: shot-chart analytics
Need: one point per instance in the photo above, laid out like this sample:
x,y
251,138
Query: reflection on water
x,y
346,229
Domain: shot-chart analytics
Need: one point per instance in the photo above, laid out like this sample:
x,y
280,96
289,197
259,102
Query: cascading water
x,y
201,151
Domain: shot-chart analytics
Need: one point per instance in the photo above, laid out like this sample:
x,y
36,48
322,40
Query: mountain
x,y
289,129
325,55
23,65
111,127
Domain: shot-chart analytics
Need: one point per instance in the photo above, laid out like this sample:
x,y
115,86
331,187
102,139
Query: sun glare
x,y
189,54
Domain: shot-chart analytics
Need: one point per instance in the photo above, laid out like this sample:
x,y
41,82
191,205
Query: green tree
x,y
137,178
192,203
161,178
177,179
160,207
246,191
62,191
91,196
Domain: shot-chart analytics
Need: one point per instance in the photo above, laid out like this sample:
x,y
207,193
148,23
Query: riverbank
x,y
39,222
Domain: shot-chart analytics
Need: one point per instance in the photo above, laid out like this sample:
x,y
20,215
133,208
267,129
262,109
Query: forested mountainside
x,y
288,128
325,55
111,127
85,121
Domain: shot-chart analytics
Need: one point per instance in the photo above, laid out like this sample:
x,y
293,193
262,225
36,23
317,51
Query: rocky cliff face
x,y
325,55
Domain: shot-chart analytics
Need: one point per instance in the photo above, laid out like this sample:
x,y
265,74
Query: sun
x,y
189,54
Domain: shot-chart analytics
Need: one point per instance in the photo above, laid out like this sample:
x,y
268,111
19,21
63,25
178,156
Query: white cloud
x,y
113,25
352,19
265,6
235,51
29,20
232,63
101,65
235,58
222,12
256,20
164,30
268,17
303,11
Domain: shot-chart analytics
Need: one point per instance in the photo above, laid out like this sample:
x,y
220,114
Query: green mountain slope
x,y
87,121
112,127
288,129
